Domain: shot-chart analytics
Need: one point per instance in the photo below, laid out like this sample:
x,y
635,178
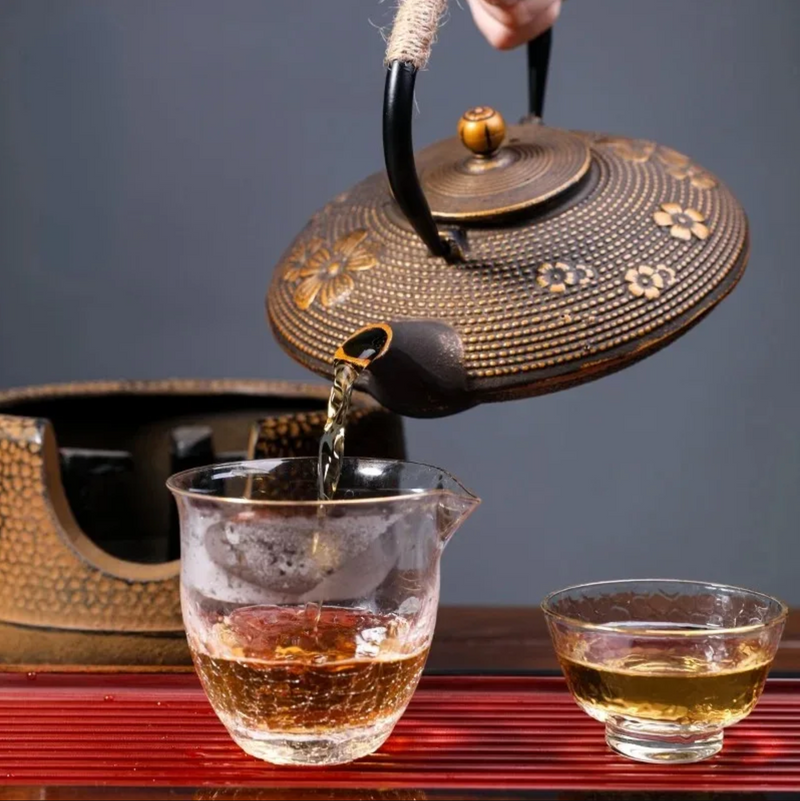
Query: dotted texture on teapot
x,y
638,253
44,580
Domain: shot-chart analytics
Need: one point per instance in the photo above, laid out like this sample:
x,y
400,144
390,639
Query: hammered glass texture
x,y
726,621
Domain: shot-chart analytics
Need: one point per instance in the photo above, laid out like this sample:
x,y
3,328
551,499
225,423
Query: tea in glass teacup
x,y
666,665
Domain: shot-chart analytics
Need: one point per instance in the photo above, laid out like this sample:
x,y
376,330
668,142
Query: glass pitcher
x,y
310,621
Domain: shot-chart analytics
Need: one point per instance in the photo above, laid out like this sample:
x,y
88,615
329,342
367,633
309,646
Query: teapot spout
x,y
420,370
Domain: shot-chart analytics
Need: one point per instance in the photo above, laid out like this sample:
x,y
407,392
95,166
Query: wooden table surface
x,y
468,639
481,638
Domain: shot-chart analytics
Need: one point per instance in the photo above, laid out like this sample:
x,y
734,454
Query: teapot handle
x,y
538,64
408,51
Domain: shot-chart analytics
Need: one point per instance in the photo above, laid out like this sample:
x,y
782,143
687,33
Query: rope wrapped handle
x,y
414,32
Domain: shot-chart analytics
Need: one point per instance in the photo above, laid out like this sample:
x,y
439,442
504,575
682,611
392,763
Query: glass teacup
x,y
665,664
310,621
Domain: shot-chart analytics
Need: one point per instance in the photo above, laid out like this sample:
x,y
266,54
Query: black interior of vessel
x,y
116,452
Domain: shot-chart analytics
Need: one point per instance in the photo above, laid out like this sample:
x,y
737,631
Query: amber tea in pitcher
x,y
308,670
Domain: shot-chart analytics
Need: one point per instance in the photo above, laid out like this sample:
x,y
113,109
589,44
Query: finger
x,y
515,13
509,3
506,27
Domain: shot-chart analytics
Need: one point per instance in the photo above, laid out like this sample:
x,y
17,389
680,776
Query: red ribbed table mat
x,y
501,733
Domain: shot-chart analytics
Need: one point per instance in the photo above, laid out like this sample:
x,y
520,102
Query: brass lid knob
x,y
482,130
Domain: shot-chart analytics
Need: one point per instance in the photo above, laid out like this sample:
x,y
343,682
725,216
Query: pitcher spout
x,y
453,510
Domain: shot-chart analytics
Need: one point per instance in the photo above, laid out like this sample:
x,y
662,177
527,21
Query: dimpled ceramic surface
x,y
65,602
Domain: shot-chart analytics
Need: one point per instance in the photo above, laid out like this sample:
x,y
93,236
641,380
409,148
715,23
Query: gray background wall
x,y
156,156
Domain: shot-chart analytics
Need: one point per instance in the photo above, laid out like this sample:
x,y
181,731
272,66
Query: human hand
x,y
509,23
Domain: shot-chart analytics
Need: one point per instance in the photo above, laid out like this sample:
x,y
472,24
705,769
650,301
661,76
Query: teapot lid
x,y
554,256
489,172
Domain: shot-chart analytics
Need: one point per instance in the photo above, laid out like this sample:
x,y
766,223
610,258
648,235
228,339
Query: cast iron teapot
x,y
507,262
